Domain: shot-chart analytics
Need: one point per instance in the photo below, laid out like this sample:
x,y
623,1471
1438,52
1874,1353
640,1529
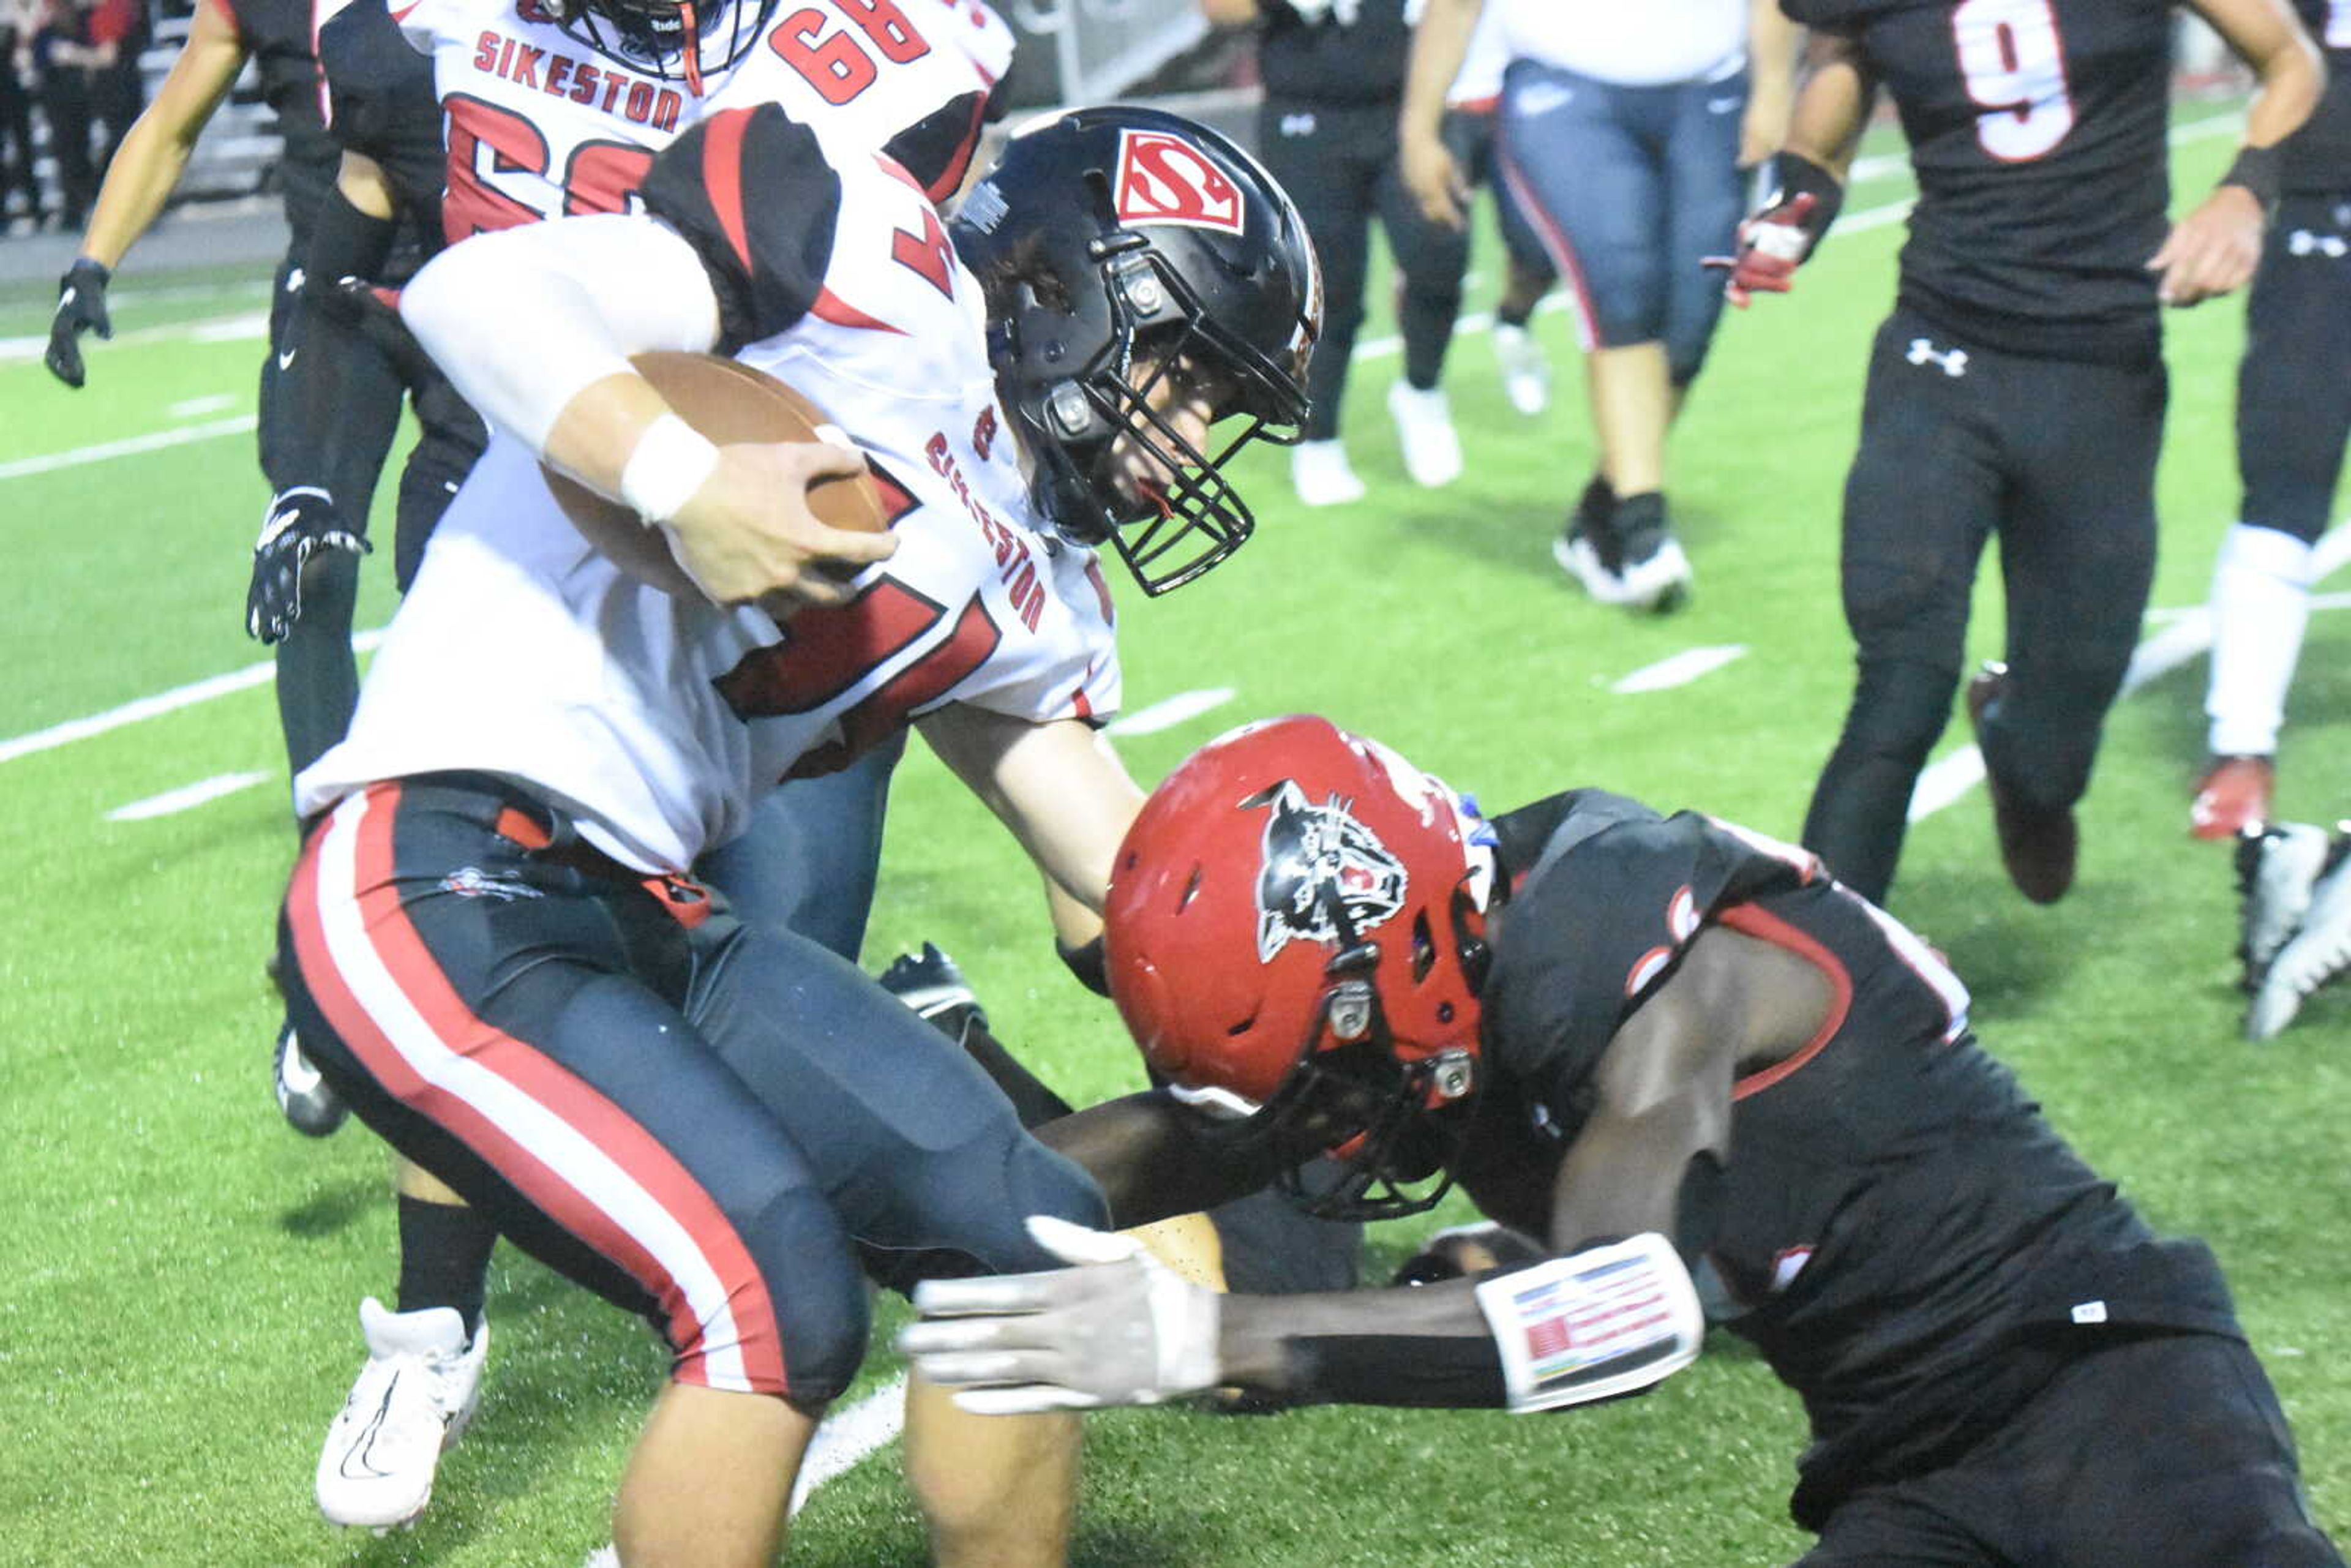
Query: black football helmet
x,y
1112,237
675,40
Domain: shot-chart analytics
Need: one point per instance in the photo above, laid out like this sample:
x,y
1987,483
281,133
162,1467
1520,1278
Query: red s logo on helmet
x,y
1163,179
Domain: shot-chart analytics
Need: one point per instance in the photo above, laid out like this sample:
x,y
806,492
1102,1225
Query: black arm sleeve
x,y
750,190
1155,1157
341,395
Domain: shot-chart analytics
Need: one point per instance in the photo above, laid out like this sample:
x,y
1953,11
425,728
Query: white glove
x,y
1121,1328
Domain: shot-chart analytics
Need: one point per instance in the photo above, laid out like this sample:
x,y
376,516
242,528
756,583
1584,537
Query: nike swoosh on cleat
x,y
286,360
359,1449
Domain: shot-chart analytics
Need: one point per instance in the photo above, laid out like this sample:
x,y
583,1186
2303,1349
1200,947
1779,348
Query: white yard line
x,y
155,706
242,326
186,798
197,407
1170,712
49,462
1680,670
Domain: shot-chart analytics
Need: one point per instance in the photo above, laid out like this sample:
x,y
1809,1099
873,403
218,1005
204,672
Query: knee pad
x,y
816,1327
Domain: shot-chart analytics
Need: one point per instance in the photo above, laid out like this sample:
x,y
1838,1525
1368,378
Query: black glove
x,y
300,522
81,307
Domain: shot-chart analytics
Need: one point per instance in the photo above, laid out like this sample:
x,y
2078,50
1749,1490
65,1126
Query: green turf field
x,y
179,1272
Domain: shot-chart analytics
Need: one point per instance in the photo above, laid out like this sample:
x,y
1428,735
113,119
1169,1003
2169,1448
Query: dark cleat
x,y
312,1107
2038,844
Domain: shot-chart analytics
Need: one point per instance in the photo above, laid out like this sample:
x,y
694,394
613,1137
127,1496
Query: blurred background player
x,y
86,55
2294,413
2019,386
1333,75
317,674
1470,105
20,191
1623,130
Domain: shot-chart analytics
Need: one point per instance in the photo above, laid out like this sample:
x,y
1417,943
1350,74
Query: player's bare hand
x,y
2211,251
748,533
1434,178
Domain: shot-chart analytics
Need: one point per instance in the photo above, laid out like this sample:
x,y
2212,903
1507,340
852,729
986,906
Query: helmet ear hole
x,y
1424,949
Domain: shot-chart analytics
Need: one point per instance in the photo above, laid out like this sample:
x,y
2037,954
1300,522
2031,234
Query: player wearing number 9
x,y
491,949
2018,389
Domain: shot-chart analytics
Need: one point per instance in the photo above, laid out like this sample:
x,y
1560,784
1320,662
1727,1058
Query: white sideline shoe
x,y
2277,868
2319,953
1526,371
1320,474
1431,452
412,1401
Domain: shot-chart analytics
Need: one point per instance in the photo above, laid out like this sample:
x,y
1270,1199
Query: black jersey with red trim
x,y
2037,130
1358,60
277,34
382,105
2318,156
1893,1210
751,190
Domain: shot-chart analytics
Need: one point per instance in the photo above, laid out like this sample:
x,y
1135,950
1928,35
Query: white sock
x,y
2261,603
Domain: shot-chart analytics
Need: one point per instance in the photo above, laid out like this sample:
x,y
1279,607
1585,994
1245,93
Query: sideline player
x,y
1334,73
561,113
1607,1024
2293,415
1623,131
2018,388
315,674
490,939
1468,132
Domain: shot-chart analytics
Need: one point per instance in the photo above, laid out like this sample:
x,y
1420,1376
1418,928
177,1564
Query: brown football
x,y
729,403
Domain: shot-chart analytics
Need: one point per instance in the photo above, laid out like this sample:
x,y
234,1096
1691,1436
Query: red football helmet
x,y
1298,917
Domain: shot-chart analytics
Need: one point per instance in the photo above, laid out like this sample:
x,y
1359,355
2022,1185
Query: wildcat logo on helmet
x,y
1163,179
1316,858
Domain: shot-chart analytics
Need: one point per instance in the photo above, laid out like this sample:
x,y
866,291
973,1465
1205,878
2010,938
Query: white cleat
x,y
410,1403
1321,474
1431,452
2319,953
1526,371
2277,867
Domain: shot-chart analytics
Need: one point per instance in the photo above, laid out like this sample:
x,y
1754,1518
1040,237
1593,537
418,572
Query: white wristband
x,y
671,462
1594,1324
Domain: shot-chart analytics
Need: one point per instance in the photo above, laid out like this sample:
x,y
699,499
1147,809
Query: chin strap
x,y
693,30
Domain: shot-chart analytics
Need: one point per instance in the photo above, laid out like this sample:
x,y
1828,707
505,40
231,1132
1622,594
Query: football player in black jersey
x,y
2294,413
1709,1076
317,678
2018,388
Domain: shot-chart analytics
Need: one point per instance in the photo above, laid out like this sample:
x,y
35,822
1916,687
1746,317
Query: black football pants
x,y
1338,164
1960,443
2168,1450
2293,388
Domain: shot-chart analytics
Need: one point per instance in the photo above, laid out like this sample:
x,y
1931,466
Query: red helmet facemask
x,y
1296,919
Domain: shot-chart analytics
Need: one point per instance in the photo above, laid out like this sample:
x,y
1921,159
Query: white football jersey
x,y
520,650
1478,83
1647,45
541,125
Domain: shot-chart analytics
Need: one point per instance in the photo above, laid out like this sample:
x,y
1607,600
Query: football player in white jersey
x,y
556,111
490,938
